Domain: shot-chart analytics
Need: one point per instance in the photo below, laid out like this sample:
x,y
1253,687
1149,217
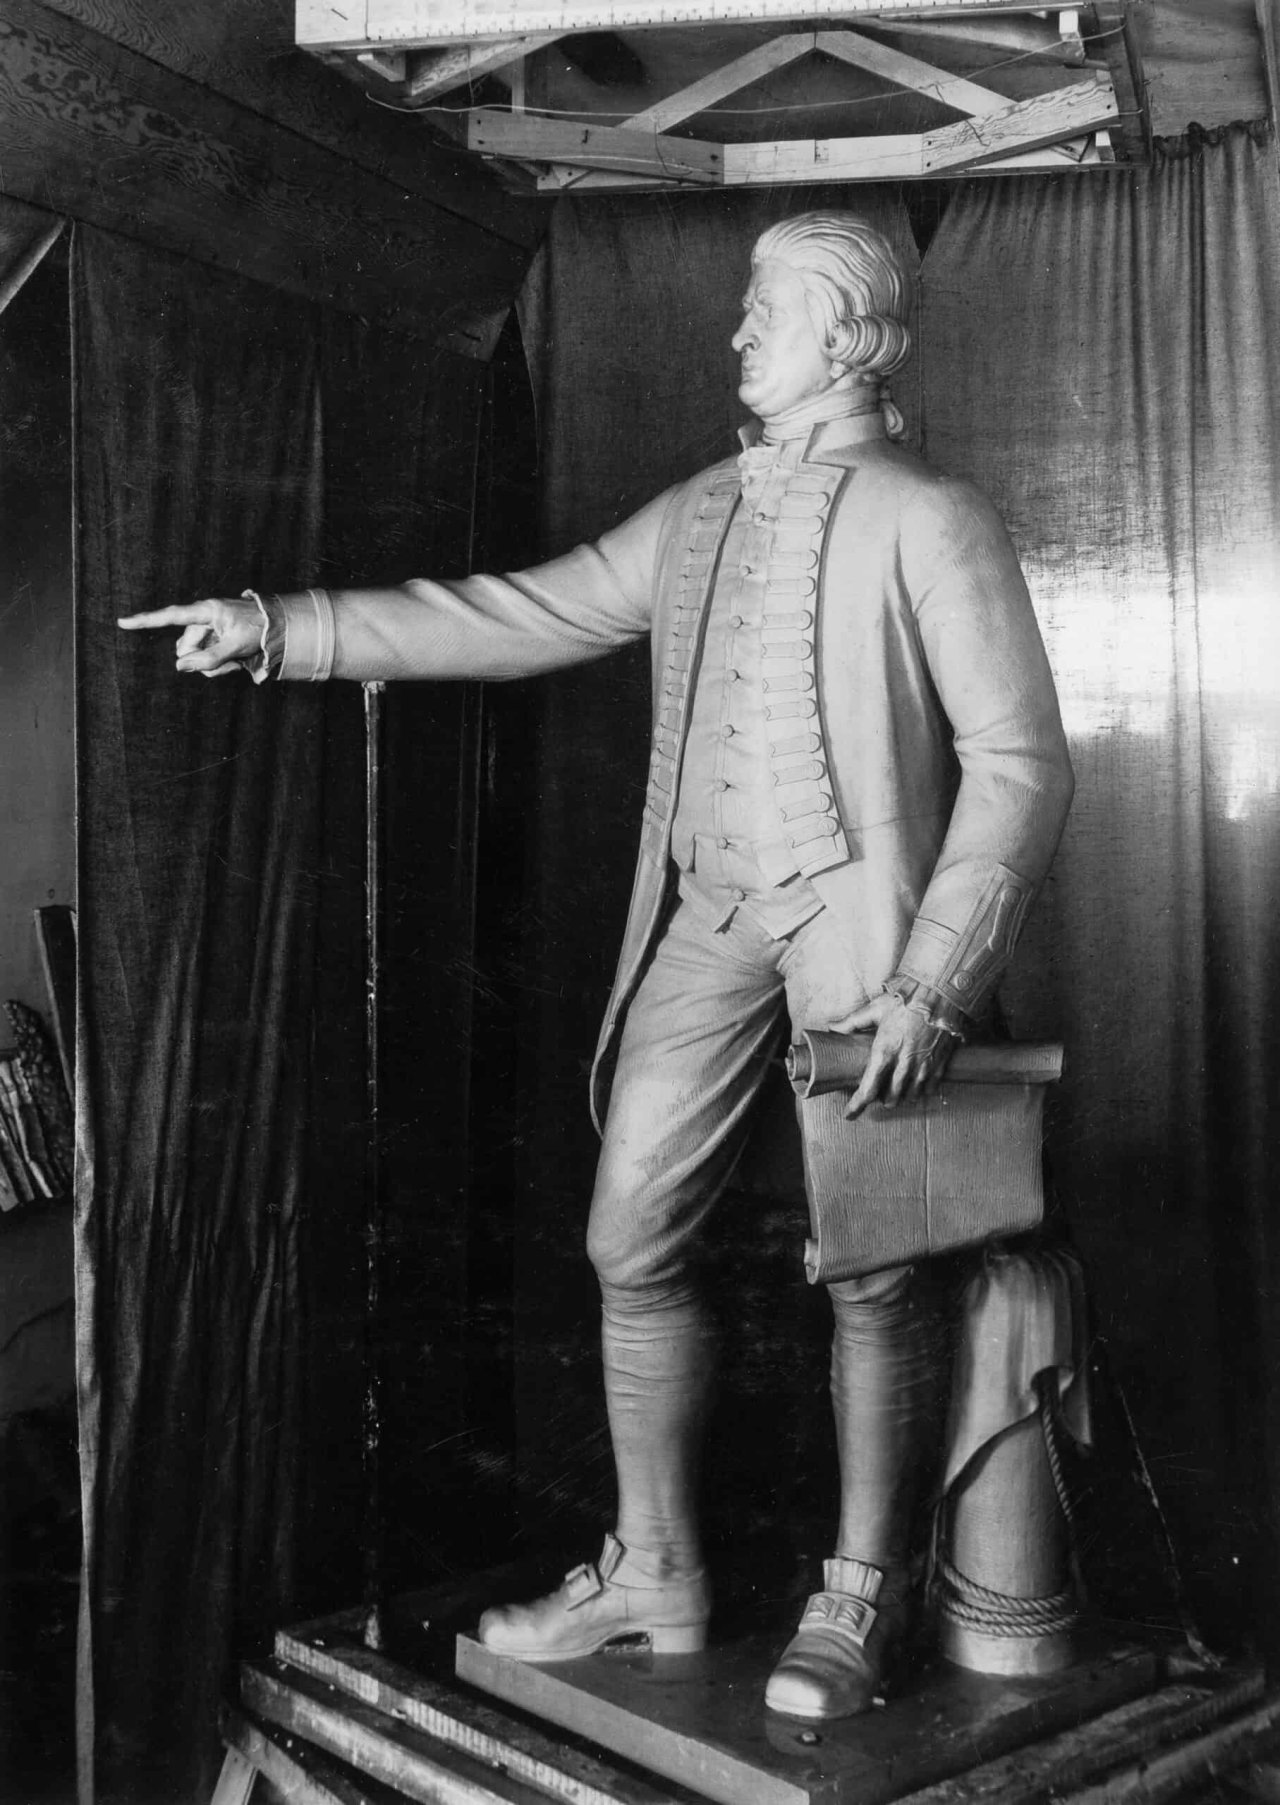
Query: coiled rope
x,y
963,1600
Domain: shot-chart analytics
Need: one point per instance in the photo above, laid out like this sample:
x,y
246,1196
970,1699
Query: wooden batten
x,y
89,129
1268,12
495,133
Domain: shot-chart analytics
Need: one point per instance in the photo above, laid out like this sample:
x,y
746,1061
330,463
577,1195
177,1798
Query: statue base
x,y
1029,1655
700,1720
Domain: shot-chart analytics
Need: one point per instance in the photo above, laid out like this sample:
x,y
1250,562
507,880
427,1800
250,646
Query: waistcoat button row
x,y
812,767
822,827
798,742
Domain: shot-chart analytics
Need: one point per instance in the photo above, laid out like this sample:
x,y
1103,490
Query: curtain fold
x,y
1102,354
226,435
198,460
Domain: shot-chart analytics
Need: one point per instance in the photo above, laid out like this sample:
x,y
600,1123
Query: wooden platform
x,y
701,1719
328,1721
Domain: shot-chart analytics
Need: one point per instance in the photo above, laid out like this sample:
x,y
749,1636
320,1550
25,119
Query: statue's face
x,y
783,361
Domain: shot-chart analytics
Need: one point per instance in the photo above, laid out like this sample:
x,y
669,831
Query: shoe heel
x,y
686,1639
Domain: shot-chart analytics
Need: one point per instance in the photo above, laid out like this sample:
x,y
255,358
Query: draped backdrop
x,y
1101,353
1104,357
226,435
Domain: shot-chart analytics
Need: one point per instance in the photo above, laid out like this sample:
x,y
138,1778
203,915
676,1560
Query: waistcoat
x,y
785,558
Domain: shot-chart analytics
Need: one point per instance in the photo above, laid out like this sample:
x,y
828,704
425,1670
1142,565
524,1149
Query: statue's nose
x,y
743,337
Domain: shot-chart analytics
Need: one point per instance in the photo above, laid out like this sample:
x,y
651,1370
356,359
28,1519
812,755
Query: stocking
x,y
658,1369
882,1388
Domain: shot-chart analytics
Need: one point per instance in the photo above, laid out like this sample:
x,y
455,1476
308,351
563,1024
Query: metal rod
x,y
372,1550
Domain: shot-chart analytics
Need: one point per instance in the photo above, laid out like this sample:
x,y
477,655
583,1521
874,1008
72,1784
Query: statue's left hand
x,y
909,1055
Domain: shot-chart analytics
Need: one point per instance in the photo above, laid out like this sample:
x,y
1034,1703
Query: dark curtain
x,y
1103,355
226,435
199,813
627,319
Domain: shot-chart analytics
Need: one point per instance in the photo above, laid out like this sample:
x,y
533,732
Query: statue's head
x,y
828,297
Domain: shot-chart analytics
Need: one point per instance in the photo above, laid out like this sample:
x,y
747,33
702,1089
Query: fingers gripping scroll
x,y
909,1054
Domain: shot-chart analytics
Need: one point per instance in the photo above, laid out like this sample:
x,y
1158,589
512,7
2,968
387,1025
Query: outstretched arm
x,y
561,613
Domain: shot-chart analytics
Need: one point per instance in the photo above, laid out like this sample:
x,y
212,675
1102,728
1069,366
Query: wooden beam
x,y
967,97
424,24
1027,38
891,157
730,78
526,136
1042,120
244,50
1124,62
1268,12
1025,127
909,72
91,130
436,71
391,65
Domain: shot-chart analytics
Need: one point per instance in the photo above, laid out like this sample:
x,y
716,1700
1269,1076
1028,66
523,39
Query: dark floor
x,y
39,1574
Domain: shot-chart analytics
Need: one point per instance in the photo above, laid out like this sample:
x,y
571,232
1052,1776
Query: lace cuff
x,y
937,1009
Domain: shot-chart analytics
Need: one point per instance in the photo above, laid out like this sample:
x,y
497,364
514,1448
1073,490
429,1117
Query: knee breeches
x,y
699,1036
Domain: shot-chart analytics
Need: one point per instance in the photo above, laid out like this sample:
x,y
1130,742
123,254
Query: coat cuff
x,y
963,965
310,636
266,660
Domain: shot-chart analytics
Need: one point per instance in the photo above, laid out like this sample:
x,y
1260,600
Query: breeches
x,y
695,1050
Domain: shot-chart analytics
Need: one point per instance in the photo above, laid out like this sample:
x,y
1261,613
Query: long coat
x,y
943,776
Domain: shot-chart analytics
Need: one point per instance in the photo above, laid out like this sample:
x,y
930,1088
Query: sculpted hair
x,y
856,285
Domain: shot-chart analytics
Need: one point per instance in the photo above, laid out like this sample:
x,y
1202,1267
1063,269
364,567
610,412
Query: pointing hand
x,y
217,636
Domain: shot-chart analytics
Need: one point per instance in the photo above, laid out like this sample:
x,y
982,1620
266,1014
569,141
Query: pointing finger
x,y
182,614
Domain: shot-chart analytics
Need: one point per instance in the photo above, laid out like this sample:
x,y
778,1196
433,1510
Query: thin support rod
x,y
373,1537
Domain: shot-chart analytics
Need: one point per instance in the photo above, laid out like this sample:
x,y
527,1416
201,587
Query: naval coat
x,y
912,694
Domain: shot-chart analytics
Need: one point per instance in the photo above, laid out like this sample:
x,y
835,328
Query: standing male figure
x,y
858,779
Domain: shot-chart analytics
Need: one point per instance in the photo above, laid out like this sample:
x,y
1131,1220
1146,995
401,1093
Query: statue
x,y
858,780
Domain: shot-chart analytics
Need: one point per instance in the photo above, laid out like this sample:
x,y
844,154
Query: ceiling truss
x,y
1091,114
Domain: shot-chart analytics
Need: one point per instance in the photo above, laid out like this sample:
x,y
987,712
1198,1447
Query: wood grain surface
x,y
244,50
93,130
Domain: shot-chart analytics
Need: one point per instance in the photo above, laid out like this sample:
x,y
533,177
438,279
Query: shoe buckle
x,y
849,1617
583,1584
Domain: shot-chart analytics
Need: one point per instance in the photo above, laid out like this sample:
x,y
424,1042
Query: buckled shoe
x,y
595,1606
833,1665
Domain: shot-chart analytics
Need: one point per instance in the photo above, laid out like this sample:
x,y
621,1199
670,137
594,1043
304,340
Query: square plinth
x,y
700,1720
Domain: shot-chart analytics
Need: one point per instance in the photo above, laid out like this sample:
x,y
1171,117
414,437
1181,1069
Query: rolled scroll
x,y
952,1170
823,1061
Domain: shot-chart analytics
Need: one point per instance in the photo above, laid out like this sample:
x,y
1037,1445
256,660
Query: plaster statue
x,y
858,779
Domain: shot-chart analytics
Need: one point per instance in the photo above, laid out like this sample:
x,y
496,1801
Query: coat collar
x,y
830,441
